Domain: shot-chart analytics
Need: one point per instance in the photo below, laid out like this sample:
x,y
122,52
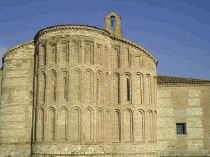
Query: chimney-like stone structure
x,y
117,31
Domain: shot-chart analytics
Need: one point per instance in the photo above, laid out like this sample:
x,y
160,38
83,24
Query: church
x,y
79,90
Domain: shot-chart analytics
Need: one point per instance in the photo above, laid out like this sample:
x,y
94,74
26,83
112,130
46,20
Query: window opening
x,y
181,128
45,55
65,89
118,92
54,93
112,22
128,90
44,90
97,89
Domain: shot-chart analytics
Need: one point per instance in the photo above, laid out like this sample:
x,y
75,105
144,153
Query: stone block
x,y
166,133
195,144
194,111
165,112
195,132
162,145
163,102
179,113
165,122
194,93
163,94
194,122
194,101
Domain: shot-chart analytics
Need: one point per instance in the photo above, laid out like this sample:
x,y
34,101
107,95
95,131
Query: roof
x,y
173,80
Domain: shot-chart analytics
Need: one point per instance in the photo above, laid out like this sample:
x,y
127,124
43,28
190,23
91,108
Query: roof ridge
x,y
179,77
172,80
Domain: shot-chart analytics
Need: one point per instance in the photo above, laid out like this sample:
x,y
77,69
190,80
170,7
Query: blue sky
x,y
176,32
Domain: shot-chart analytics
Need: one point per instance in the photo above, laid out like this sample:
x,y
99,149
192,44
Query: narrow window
x,y
116,87
97,89
64,88
44,90
118,92
112,20
53,86
181,128
54,54
42,124
45,55
128,89
117,131
54,93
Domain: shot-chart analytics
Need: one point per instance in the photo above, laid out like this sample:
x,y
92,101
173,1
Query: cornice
x,y
79,27
137,46
69,27
94,29
30,42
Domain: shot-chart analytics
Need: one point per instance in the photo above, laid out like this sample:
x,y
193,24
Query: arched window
x,y
65,88
43,87
53,84
75,125
116,58
88,125
89,58
117,126
107,84
138,94
128,125
99,124
149,125
128,89
51,123
53,58
40,126
107,126
112,20
63,125
76,86
140,126
116,88
65,52
37,61
89,85
148,82
76,51
99,87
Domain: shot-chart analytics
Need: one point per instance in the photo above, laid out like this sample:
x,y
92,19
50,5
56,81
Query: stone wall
x,y
16,101
183,104
92,90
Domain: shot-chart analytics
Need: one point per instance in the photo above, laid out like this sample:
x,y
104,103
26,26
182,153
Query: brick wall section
x,y
16,102
91,109
95,93
189,104
205,103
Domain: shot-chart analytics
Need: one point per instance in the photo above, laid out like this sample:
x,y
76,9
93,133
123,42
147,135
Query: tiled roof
x,y
163,79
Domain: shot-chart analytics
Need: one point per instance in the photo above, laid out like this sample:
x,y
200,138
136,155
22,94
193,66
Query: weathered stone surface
x,y
78,90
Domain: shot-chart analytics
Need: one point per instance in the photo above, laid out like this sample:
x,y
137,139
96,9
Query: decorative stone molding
x,y
94,29
30,42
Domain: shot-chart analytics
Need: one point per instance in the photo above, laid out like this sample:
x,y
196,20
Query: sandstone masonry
x,y
78,90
